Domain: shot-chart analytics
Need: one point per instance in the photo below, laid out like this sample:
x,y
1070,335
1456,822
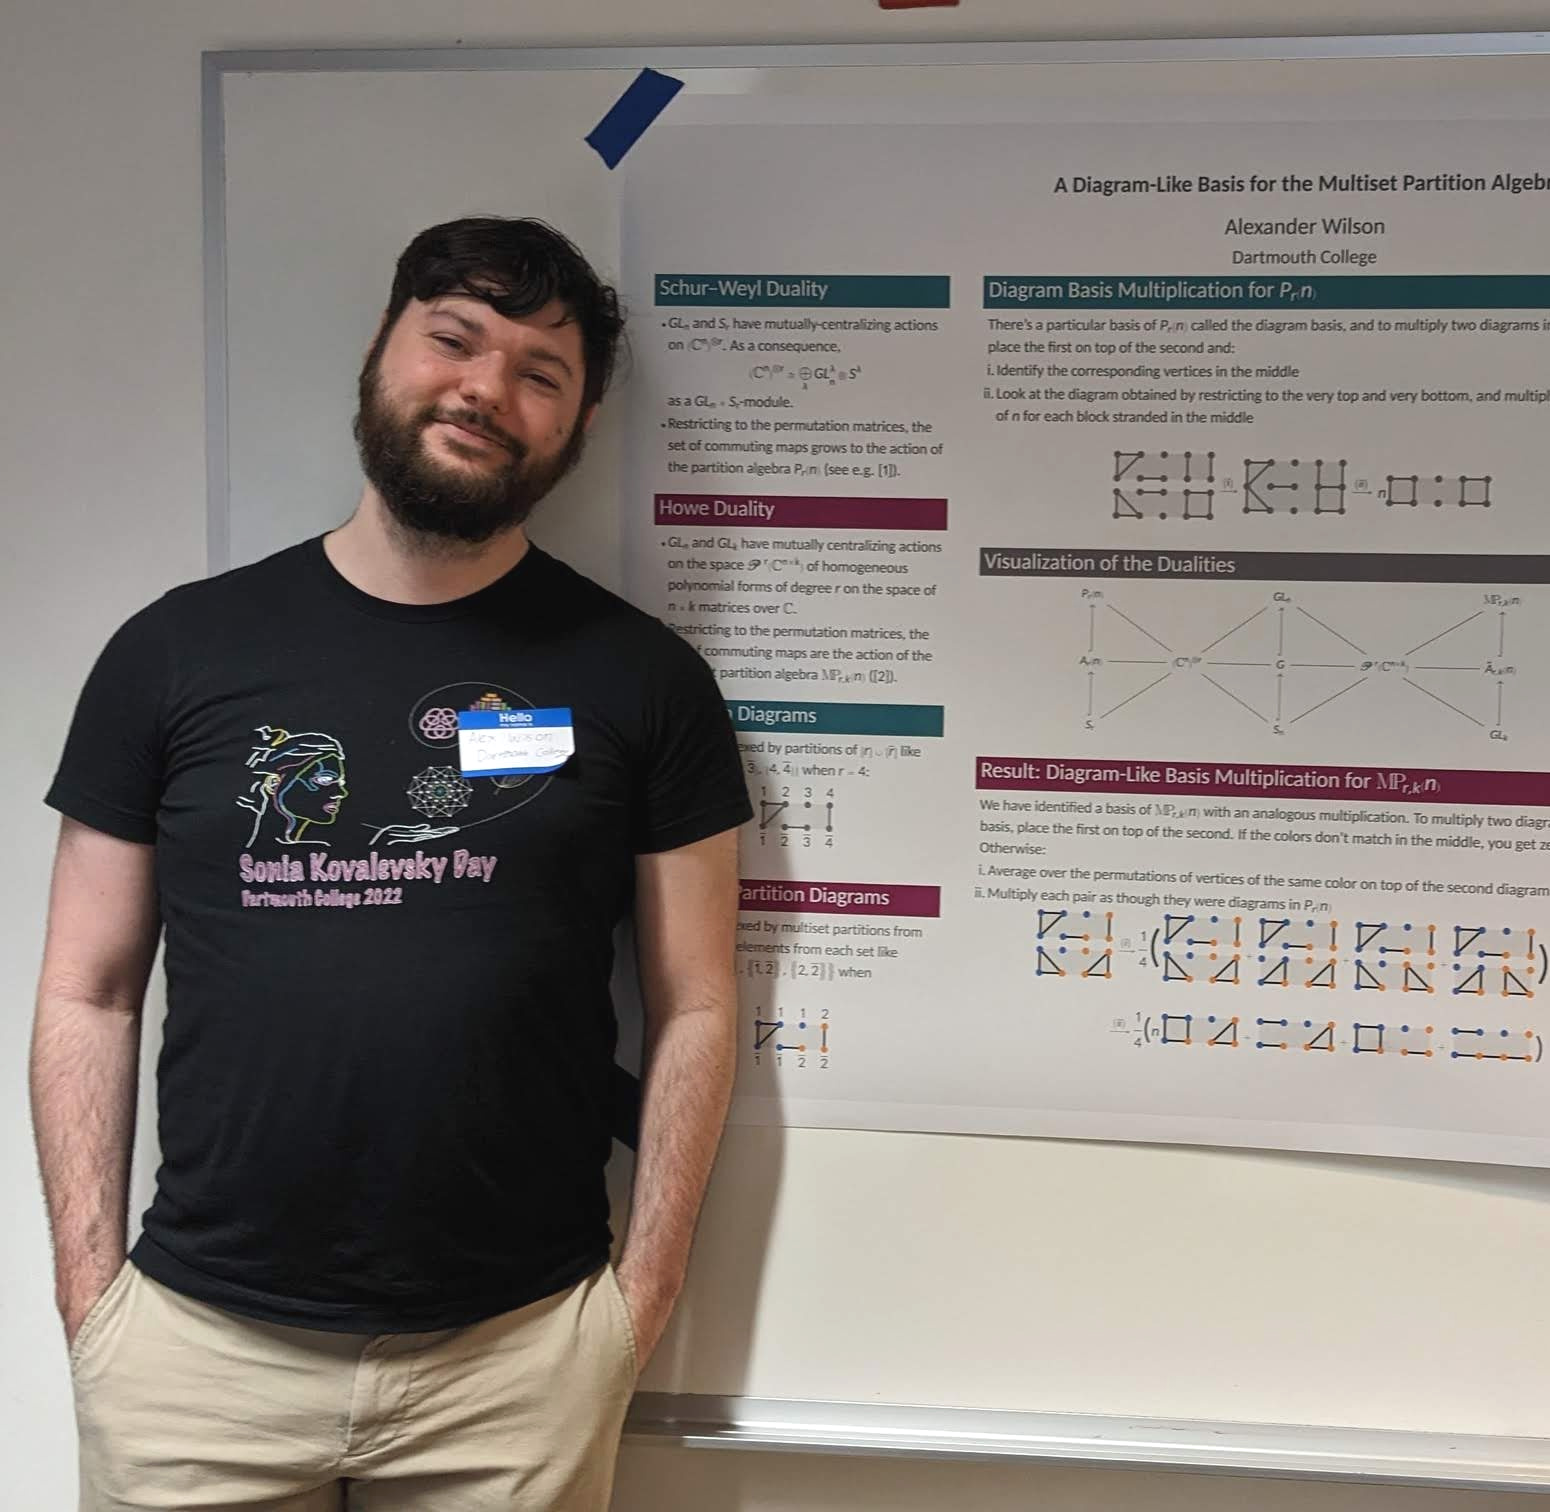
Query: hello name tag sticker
x,y
514,742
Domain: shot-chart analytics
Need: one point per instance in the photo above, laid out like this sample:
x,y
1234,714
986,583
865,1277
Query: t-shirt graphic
x,y
298,787
300,784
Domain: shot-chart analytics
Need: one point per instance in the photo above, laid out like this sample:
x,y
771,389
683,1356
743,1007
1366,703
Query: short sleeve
x,y
691,785
110,774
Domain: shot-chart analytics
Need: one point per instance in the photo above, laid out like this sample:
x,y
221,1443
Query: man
x,y
389,792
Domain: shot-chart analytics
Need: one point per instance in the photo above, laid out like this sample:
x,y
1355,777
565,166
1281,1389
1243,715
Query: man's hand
x,y
85,1293
650,1304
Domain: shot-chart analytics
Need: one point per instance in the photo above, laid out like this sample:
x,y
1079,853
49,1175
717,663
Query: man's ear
x,y
588,415
379,338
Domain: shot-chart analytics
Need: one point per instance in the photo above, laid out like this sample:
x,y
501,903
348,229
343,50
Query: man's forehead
x,y
554,316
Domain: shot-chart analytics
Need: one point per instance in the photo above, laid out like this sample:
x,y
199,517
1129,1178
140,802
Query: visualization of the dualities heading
x,y
1263,566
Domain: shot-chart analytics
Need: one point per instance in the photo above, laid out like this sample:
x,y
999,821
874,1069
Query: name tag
x,y
514,742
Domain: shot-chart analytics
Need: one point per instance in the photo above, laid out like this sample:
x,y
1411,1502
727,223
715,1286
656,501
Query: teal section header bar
x,y
1269,291
832,291
923,720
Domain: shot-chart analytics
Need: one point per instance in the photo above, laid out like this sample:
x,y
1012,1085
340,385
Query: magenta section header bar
x,y
1216,779
800,512
841,898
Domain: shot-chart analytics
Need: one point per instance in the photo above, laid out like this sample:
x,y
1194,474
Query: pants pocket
x,y
101,1310
626,1322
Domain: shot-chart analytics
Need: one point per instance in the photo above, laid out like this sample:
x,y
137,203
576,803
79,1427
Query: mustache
x,y
473,421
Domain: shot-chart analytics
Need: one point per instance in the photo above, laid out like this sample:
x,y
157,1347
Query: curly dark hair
x,y
516,266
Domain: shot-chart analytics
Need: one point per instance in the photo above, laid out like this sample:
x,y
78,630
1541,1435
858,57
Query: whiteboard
x,y
948,1272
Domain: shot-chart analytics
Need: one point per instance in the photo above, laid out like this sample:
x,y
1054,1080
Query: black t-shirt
x,y
384,1088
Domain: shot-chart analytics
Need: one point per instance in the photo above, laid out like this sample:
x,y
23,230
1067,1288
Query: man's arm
x,y
102,931
685,927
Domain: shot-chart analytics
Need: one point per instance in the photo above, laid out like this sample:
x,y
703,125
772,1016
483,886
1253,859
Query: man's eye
x,y
543,380
451,343
324,779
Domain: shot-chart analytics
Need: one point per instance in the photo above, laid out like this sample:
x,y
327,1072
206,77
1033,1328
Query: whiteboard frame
x,y
1269,1450
1262,1451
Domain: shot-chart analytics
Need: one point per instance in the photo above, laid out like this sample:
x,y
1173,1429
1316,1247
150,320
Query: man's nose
x,y
483,383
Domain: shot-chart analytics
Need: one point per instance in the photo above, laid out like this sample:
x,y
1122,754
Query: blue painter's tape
x,y
632,113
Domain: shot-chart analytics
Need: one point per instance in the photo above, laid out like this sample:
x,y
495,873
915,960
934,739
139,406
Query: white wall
x,y
102,484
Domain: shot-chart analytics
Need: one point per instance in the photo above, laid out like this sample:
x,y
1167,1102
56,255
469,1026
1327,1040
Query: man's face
x,y
467,419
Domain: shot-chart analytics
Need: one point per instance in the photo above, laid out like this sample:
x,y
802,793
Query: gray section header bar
x,y
1260,566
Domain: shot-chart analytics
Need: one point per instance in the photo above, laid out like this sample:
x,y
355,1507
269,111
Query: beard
x,y
450,505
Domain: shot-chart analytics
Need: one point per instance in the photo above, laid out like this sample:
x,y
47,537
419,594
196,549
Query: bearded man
x,y
386,794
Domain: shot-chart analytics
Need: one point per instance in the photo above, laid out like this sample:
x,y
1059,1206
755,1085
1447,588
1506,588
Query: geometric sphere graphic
x,y
439,792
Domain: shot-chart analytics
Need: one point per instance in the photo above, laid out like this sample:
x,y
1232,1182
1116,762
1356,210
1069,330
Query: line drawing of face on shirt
x,y
301,784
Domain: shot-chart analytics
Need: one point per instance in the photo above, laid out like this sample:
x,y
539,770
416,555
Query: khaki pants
x,y
182,1406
